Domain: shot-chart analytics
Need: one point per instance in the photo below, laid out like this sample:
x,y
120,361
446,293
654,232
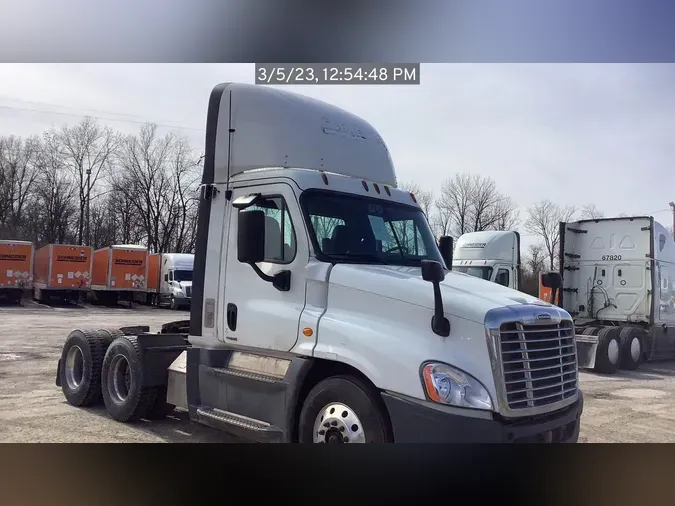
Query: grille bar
x,y
538,363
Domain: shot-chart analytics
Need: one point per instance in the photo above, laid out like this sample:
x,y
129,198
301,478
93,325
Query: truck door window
x,y
280,247
170,275
502,277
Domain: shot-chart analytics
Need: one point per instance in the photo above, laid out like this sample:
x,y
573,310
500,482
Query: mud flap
x,y
58,374
587,347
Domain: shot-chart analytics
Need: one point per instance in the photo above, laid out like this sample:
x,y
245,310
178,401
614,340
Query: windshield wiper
x,y
362,256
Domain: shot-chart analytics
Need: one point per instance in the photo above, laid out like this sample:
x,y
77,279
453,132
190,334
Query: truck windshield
x,y
182,275
355,229
479,272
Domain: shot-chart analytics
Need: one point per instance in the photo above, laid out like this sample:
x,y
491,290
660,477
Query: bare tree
x,y
158,176
18,173
543,220
470,203
591,212
536,259
87,150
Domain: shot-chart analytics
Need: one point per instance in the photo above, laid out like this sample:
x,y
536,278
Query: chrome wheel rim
x,y
635,349
338,423
613,351
119,379
74,367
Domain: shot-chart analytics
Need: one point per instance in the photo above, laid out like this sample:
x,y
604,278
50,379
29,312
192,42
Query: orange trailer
x,y
62,270
119,271
150,294
16,268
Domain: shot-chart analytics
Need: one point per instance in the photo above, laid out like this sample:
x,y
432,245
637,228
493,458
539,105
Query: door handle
x,y
232,316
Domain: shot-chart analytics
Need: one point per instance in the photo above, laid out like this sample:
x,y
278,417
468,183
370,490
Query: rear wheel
x,y
80,368
343,409
125,397
608,354
632,349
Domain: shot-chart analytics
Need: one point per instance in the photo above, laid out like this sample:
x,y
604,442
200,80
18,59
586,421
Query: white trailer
x,y
618,285
493,255
175,280
322,311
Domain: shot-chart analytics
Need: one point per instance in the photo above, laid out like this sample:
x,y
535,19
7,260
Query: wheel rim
x,y
119,379
74,367
635,349
337,423
613,351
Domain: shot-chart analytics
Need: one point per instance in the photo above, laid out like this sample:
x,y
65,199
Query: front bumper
x,y
418,422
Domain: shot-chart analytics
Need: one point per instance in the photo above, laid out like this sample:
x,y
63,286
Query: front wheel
x,y
343,409
174,304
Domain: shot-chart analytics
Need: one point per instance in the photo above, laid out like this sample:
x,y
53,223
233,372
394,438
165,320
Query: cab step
x,y
240,425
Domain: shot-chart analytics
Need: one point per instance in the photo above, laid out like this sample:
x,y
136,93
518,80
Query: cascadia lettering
x,y
474,245
6,256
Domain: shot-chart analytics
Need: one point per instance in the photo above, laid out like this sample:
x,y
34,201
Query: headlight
x,y
177,292
447,385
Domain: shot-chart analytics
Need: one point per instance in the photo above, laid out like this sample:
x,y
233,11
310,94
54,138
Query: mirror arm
x,y
281,280
439,323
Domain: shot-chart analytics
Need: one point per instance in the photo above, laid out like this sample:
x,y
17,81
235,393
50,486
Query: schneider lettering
x,y
70,258
5,256
125,261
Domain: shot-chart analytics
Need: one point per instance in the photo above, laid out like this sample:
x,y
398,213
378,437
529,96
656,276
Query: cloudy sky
x,y
574,134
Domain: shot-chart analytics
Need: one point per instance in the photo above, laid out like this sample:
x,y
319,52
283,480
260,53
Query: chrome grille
x,y
188,291
539,364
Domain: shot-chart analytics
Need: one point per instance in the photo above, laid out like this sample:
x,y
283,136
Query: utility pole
x,y
672,206
88,206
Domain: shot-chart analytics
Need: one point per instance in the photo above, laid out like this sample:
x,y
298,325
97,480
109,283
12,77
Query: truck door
x,y
256,314
503,276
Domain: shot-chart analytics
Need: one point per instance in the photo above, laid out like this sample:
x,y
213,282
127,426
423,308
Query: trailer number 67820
x,y
611,257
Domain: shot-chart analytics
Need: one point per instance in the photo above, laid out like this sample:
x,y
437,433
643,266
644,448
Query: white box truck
x,y
493,255
175,280
618,284
322,308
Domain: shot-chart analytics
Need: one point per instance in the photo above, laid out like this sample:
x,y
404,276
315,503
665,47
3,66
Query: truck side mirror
x,y
445,245
251,247
552,280
251,237
433,272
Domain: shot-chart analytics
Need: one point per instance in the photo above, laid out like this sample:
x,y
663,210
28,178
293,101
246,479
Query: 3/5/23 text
x,y
333,73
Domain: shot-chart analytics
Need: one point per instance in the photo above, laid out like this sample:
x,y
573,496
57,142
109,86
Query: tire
x,y
359,413
608,356
632,348
109,335
160,409
80,368
125,397
173,304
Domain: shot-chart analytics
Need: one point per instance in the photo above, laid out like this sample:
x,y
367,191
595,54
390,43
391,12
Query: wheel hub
x,y
337,423
613,351
119,379
74,367
635,349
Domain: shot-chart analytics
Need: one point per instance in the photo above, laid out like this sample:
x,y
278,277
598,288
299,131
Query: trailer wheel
x,y
632,349
343,409
608,354
125,397
80,368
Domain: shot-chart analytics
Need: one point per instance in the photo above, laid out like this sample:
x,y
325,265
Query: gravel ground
x,y
634,406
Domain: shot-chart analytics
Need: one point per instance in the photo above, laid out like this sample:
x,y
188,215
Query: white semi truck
x,y
618,284
493,255
322,308
175,279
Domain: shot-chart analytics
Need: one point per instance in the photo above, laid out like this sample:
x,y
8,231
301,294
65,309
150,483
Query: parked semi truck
x,y
16,269
493,255
175,281
322,308
62,272
618,278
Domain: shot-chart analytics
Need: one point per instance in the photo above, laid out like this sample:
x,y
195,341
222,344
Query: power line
x,y
139,122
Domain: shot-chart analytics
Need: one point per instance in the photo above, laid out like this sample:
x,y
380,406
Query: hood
x,y
464,296
185,284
